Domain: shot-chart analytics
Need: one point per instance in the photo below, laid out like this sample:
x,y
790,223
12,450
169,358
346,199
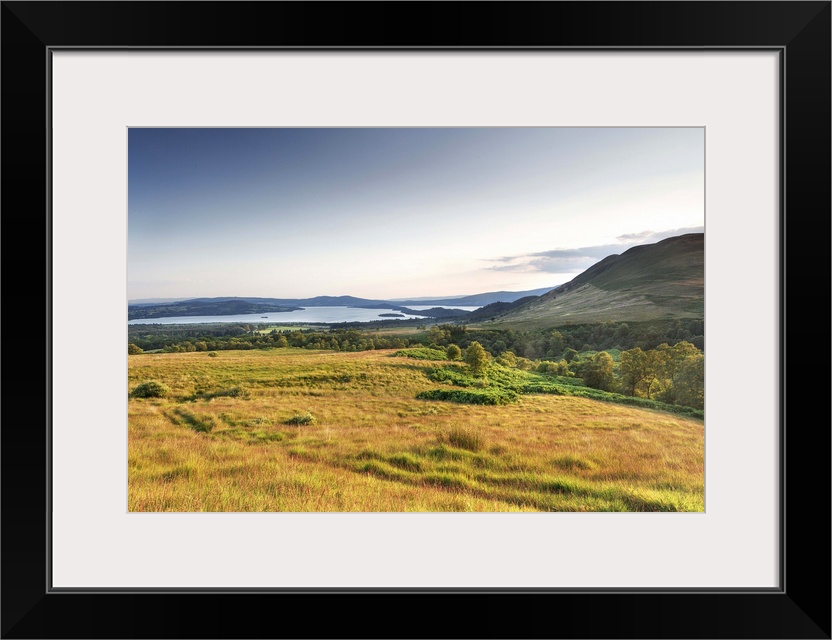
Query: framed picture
x,y
79,79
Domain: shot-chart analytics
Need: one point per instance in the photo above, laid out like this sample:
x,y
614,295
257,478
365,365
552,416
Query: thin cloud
x,y
655,236
634,237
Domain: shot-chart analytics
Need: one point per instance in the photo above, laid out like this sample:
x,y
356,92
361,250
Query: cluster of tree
x,y
672,374
337,340
158,336
551,345
555,344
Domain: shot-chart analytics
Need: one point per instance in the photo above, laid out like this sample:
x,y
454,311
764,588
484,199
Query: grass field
x,y
299,430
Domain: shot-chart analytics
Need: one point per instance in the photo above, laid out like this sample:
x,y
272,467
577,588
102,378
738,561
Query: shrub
x,y
302,418
454,376
524,364
486,396
454,352
507,359
134,349
151,389
212,354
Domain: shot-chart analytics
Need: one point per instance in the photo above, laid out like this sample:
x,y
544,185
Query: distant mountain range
x,y
476,300
664,280
223,306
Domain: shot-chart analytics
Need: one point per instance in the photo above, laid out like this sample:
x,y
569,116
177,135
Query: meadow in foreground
x,y
323,431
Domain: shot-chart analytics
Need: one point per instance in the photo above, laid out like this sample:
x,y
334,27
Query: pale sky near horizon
x,y
397,213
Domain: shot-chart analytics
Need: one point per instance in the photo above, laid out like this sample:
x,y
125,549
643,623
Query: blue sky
x,y
395,213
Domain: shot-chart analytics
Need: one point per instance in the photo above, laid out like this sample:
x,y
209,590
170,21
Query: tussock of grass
x,y
267,436
405,461
383,470
448,480
368,454
175,473
571,462
464,439
445,453
302,419
233,392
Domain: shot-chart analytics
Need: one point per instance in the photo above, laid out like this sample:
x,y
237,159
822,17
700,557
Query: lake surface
x,y
423,307
310,314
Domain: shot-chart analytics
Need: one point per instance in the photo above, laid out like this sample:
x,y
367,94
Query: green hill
x,y
664,280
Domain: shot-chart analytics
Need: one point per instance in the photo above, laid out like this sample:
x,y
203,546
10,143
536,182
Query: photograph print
x,y
505,319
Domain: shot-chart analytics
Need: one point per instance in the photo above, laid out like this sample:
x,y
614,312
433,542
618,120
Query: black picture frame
x,y
799,608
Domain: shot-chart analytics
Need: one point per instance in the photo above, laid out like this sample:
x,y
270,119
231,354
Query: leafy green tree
x,y
598,372
453,352
134,349
438,335
652,337
657,363
570,354
633,367
668,362
689,382
684,369
556,344
477,358
683,350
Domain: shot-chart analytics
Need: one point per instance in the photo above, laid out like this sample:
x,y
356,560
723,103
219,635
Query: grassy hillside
x,y
664,280
300,430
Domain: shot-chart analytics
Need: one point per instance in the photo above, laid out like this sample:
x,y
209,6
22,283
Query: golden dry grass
x,y
220,442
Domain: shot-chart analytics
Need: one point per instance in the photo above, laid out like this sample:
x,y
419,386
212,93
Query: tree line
x,y
238,337
551,344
